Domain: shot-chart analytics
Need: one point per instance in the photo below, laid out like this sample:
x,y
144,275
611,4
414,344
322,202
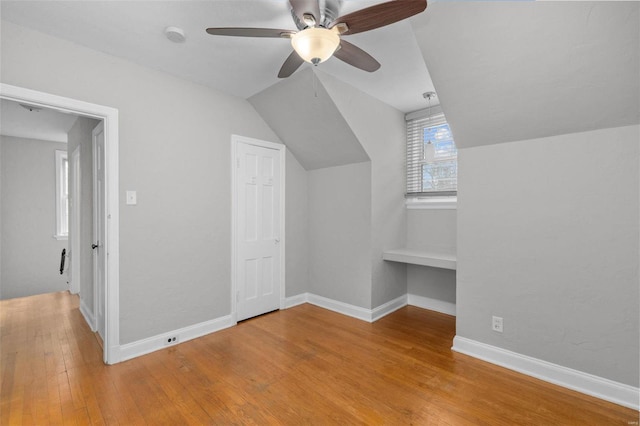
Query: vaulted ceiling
x,y
240,66
503,71
511,71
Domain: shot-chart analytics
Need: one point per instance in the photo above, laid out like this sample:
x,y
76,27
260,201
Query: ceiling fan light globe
x,y
315,45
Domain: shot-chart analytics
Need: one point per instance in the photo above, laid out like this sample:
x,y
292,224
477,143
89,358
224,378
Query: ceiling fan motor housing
x,y
329,11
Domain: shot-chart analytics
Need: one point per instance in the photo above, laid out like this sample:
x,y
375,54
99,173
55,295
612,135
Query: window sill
x,y
432,203
61,237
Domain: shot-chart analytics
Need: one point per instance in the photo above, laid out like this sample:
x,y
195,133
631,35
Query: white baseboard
x,y
386,308
154,343
364,314
432,304
292,301
88,316
586,383
358,312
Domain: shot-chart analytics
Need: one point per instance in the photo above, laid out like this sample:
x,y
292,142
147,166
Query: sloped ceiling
x,y
240,66
303,115
515,71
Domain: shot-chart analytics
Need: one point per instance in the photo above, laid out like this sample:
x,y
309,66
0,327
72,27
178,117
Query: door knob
x,y
94,246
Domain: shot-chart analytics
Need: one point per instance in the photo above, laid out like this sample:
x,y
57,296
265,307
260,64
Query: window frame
x,y
433,199
62,195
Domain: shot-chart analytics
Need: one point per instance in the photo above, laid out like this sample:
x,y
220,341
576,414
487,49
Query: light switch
x,y
132,198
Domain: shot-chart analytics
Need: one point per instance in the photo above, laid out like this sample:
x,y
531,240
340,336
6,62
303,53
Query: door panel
x,y
99,229
258,230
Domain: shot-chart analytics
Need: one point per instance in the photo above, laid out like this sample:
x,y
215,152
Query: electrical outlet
x,y
496,324
171,340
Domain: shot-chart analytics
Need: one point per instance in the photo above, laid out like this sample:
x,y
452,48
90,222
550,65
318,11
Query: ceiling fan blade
x,y
302,7
380,15
290,66
251,32
356,57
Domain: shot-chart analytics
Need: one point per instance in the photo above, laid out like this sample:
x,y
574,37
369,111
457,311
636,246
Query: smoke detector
x,y
31,107
175,34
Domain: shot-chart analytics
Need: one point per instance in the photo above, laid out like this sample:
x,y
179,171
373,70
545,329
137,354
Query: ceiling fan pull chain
x,y
315,83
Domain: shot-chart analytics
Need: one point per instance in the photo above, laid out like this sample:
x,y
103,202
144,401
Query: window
x,y
62,195
431,170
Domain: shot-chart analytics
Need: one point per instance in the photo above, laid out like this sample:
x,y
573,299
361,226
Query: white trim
x,y
61,237
235,140
432,304
432,203
110,118
296,300
157,342
88,315
364,314
389,307
358,312
75,192
589,384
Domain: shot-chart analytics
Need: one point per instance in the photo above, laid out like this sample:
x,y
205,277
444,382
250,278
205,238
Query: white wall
x,y
80,135
297,228
175,136
340,233
548,239
30,254
434,231
381,131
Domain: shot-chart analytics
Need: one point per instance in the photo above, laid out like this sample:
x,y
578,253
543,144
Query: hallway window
x,y
62,195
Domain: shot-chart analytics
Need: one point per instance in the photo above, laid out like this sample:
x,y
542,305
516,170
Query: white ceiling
x,y
504,71
240,66
44,124
513,71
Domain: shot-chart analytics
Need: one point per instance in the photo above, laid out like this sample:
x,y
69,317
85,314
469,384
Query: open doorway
x,y
105,237
34,225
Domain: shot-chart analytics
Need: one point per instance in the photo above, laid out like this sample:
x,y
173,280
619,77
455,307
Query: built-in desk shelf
x,y
419,257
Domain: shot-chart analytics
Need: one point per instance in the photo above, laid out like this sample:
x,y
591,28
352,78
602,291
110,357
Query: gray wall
x,y
80,135
548,240
30,254
352,216
432,230
297,228
175,151
381,131
340,233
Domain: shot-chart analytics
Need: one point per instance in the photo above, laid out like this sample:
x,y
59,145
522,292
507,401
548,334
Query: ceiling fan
x,y
320,32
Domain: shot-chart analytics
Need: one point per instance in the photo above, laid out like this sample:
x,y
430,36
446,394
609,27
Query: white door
x,y
258,229
99,229
74,222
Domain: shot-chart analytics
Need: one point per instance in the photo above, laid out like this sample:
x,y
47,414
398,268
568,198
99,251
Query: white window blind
x,y
430,178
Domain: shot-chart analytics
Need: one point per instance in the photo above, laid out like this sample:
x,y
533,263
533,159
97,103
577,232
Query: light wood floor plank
x,y
304,365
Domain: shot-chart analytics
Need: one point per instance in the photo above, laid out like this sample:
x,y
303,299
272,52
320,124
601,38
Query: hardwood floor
x,y
304,365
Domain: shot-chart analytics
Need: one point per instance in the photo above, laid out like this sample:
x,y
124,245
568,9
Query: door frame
x,y
74,222
109,116
235,141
